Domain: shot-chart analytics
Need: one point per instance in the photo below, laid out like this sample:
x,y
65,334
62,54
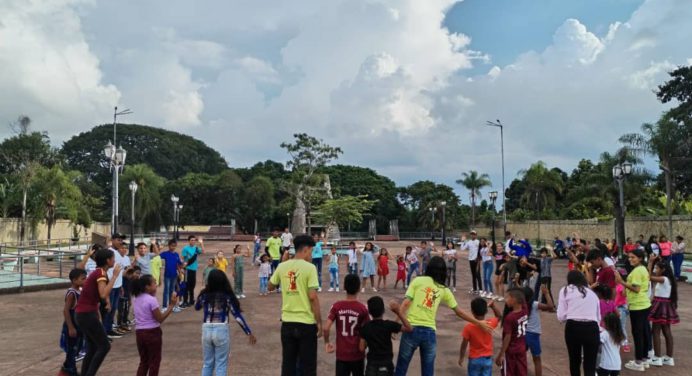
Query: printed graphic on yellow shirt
x,y
292,278
431,295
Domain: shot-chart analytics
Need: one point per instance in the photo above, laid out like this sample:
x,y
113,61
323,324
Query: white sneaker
x,y
163,309
331,289
634,366
647,363
177,310
668,361
362,290
319,289
374,289
337,289
655,361
454,289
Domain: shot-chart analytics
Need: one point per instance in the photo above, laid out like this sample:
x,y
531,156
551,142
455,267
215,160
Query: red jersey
x,y
348,317
629,248
89,299
514,325
606,276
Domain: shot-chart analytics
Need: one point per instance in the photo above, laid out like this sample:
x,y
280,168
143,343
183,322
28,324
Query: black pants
x,y
299,346
124,304
379,370
350,368
641,331
475,275
189,297
605,372
97,342
582,338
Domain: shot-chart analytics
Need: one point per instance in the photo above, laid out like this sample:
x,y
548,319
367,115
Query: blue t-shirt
x,y
317,250
188,252
172,261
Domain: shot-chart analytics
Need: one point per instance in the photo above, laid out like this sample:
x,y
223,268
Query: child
x,y
369,268
71,336
481,349
545,275
623,312
533,328
333,270
500,276
238,267
221,262
350,315
400,271
156,264
611,338
382,268
412,261
511,269
170,275
376,335
663,309
512,356
148,320
264,271
210,266
605,300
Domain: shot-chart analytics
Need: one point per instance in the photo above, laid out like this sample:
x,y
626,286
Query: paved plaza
x,y
30,324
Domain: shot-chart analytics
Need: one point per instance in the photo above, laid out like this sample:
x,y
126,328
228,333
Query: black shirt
x,y
525,270
378,335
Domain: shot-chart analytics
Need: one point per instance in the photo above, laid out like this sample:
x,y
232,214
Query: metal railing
x,y
41,268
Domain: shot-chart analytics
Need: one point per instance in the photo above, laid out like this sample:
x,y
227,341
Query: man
x,y
190,253
472,247
286,240
274,249
425,253
301,321
114,298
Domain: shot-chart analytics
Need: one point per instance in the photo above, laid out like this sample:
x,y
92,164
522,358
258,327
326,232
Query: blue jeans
x,y
115,300
263,284
353,268
413,267
275,264
624,312
216,344
334,277
255,252
318,264
678,258
168,288
482,366
488,276
424,338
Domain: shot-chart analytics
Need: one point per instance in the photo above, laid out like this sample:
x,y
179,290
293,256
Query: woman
x,y
97,288
487,261
666,248
652,246
423,298
678,255
637,291
451,261
578,306
500,276
219,302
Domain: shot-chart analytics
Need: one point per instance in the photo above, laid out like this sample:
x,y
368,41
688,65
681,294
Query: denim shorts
x,y
533,341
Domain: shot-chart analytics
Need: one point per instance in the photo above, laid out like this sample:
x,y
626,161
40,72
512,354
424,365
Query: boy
x,y
377,336
511,268
350,315
481,350
190,253
512,356
170,274
533,328
71,335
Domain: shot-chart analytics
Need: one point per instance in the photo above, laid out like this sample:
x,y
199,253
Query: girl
x,y
97,288
156,263
423,298
368,266
264,271
678,255
412,261
637,290
487,259
257,245
210,266
663,310
605,301
221,262
666,247
578,307
500,277
652,247
611,338
451,260
238,267
400,271
219,301
623,312
148,320
382,267
333,270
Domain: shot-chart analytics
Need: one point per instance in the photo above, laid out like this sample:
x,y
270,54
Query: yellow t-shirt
x,y
155,268
638,300
274,245
221,264
296,277
425,296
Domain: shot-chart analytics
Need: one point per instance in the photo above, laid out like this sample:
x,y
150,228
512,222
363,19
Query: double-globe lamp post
x,y
493,198
176,215
620,172
444,222
116,162
498,124
133,190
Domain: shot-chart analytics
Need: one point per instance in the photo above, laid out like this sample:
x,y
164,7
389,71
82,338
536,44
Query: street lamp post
x,y
493,198
498,124
177,221
174,200
116,162
133,190
444,222
433,211
620,172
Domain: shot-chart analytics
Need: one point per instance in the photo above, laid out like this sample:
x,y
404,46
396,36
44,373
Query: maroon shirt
x,y
606,276
89,299
348,317
514,325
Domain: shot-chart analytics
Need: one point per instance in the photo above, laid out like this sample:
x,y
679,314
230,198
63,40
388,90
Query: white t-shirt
x,y
352,256
508,249
609,262
610,353
655,249
124,262
662,290
286,239
412,258
485,254
472,247
90,266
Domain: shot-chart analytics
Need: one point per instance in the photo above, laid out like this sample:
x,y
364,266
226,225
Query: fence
x,y
37,268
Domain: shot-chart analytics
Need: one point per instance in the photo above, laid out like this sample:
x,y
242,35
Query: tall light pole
x,y
133,190
444,222
116,162
620,172
174,200
498,124
177,221
493,198
433,211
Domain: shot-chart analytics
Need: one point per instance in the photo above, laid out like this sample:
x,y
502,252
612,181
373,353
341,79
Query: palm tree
x,y
474,182
148,197
542,185
54,194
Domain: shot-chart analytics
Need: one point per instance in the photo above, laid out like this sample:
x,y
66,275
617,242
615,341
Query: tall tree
x,y
678,88
257,202
147,198
542,185
474,182
54,194
343,210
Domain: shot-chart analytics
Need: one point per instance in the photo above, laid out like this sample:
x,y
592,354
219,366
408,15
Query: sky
x,y
403,86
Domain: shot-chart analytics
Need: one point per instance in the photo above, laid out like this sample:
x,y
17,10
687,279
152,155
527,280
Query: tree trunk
x,y
669,199
298,222
473,210
22,228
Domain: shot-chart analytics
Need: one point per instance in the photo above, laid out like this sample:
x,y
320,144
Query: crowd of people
x,y
605,287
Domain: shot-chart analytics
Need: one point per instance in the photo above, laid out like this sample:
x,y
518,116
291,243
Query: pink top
x,y
665,248
620,297
573,306
606,307
144,305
